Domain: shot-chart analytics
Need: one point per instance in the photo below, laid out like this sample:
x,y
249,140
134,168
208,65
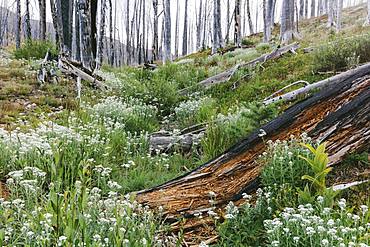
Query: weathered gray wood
x,y
350,74
226,75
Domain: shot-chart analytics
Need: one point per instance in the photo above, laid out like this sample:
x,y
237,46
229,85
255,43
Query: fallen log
x,y
338,115
226,75
352,74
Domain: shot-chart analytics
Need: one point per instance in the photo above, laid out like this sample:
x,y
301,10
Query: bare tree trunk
x,y
287,32
330,13
93,9
155,30
306,8
185,34
85,34
249,18
205,19
228,22
28,21
216,21
144,57
77,55
42,10
99,58
56,24
18,25
301,9
128,31
339,15
267,13
167,31
177,29
199,25
111,41
313,8
237,32
368,13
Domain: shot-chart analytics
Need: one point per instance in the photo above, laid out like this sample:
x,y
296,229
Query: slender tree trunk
x,y
237,32
185,35
287,31
313,8
249,17
306,8
111,41
144,57
368,12
339,15
228,21
128,31
18,25
267,9
301,9
205,19
155,30
77,33
99,58
57,27
216,26
177,41
42,23
167,31
28,21
85,34
199,26
330,13
93,7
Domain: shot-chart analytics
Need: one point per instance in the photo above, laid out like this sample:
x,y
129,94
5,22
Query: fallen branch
x,y
285,88
227,75
350,75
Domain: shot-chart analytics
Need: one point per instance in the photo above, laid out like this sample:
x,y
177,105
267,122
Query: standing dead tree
x,y
167,31
18,25
28,21
99,58
238,25
42,10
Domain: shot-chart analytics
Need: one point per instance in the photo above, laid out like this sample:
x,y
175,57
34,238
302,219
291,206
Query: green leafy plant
x,y
33,49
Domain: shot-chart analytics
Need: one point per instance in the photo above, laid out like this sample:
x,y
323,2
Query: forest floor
x,y
68,165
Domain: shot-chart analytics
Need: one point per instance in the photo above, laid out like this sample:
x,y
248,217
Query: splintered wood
x,y
338,115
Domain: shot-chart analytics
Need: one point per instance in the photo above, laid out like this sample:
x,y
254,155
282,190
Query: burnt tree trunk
x,y
338,115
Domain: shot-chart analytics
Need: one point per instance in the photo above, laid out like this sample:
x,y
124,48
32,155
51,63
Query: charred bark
x,y
338,115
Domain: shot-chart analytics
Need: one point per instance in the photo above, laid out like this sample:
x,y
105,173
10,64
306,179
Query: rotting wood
x,y
228,74
345,105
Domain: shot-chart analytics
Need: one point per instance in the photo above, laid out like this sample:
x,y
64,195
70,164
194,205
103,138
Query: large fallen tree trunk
x,y
226,75
338,115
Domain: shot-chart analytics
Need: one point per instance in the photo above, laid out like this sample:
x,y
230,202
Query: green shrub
x,y
247,42
195,111
342,54
225,131
34,49
283,164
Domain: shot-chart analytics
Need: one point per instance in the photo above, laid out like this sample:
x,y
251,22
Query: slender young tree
x,y
18,25
237,32
185,34
28,21
42,23
167,31
287,32
128,41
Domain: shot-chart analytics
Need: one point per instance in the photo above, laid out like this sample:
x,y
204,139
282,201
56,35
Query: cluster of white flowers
x,y
188,109
323,226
